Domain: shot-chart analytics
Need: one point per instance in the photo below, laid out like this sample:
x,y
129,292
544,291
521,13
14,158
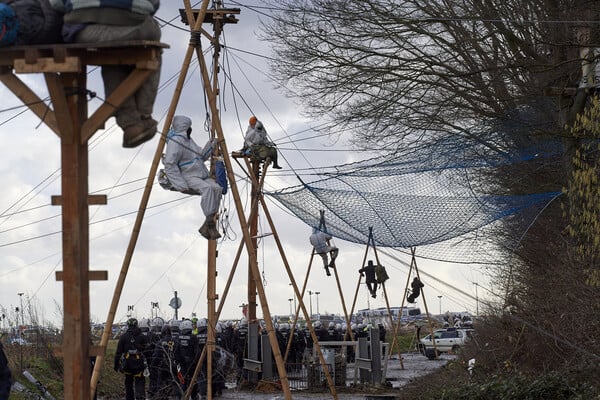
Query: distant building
x,y
381,316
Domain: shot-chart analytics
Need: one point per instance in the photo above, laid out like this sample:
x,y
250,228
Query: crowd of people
x,y
158,359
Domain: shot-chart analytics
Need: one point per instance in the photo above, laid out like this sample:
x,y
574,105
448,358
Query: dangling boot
x,y
275,165
213,232
205,228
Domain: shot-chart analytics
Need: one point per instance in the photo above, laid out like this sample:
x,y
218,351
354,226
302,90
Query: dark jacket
x,y
5,376
133,337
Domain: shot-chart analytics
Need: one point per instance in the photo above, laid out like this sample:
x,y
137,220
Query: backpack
x,y
132,361
9,25
221,175
381,274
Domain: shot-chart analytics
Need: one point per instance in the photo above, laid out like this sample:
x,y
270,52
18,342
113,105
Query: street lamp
x,y
440,297
22,318
310,302
290,300
294,296
317,293
476,299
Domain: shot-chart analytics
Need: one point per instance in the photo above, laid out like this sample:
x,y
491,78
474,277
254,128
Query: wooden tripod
x,y
371,243
413,265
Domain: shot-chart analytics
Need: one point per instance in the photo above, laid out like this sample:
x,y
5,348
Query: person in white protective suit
x,y
257,144
320,241
185,169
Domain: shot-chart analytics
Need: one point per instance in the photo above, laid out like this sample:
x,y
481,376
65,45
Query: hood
x,y
181,123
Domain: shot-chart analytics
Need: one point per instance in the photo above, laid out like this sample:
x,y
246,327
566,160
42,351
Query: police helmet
x,y
144,325
186,326
132,323
165,330
174,324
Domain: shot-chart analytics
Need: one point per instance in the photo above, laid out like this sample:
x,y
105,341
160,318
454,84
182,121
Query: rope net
x,y
431,197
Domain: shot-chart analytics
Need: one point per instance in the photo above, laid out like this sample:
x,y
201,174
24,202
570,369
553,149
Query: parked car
x,y
446,340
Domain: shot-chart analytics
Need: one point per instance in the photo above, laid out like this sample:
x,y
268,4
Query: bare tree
x,y
413,70
500,74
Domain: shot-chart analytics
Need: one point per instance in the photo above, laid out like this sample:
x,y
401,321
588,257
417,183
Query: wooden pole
x,y
301,302
75,239
142,210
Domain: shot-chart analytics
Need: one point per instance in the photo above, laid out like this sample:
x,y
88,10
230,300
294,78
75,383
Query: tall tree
x,y
504,75
400,71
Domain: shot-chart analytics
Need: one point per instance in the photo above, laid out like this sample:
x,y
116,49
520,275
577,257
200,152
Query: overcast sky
x,y
170,254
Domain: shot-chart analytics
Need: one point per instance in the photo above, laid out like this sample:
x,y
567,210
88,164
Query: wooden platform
x,y
72,57
65,65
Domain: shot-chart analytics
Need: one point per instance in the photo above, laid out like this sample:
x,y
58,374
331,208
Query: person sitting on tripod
x,y
416,286
256,143
320,241
370,277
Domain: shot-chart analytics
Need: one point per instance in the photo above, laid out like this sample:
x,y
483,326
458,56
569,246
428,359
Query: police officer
x,y
164,366
132,345
154,339
202,340
189,354
371,280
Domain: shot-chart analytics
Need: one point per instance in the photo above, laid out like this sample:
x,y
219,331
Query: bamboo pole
x,y
142,211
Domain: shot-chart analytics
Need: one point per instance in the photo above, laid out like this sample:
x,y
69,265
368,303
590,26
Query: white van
x,y
448,339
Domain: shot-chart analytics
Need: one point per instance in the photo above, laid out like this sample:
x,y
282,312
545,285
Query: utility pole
x,y
440,297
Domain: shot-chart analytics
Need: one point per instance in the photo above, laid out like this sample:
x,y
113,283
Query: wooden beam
x,y
93,199
61,105
47,64
31,100
93,275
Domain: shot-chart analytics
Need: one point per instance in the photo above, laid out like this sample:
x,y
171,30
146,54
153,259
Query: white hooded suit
x,y
184,165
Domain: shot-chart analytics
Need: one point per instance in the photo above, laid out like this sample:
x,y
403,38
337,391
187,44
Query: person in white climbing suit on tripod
x,y
185,169
320,241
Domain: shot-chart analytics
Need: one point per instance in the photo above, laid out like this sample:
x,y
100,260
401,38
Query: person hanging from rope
x,y
368,271
322,246
257,144
186,172
416,286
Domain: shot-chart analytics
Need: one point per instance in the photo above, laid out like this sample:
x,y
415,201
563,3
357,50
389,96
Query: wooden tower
x,y
64,70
